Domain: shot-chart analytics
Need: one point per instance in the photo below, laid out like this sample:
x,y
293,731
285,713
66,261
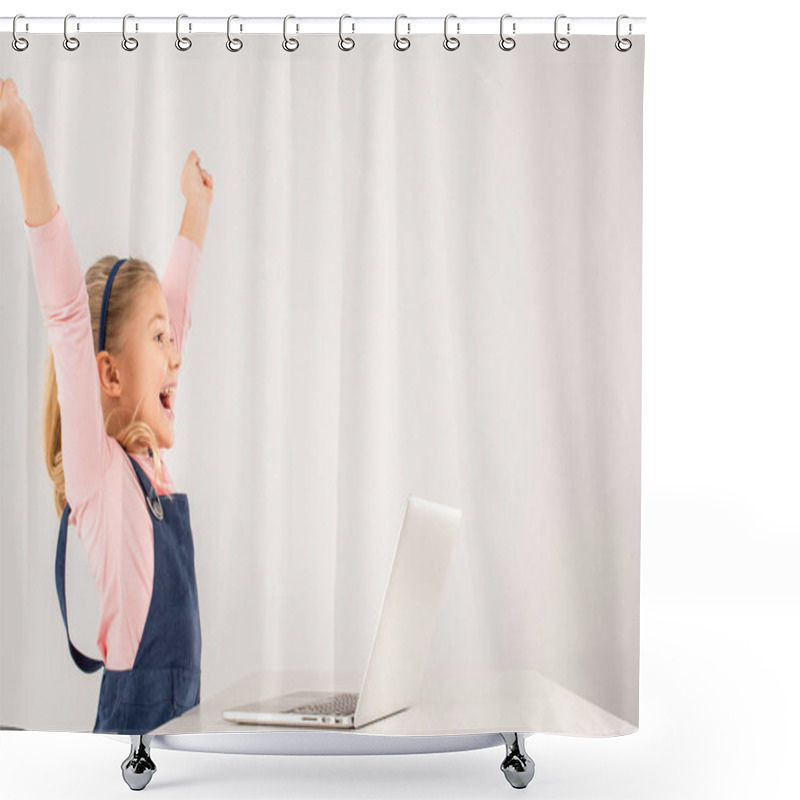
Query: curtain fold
x,y
422,276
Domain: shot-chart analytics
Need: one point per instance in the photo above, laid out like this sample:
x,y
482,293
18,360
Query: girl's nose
x,y
175,356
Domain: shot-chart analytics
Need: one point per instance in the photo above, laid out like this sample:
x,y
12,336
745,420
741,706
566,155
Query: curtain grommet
x,y
397,38
343,39
234,45
507,42
70,43
17,41
183,43
619,43
560,40
286,46
451,42
128,42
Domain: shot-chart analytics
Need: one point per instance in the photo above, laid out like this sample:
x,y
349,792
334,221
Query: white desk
x,y
468,702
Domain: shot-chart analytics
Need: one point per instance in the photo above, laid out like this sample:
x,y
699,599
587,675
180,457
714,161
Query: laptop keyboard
x,y
338,704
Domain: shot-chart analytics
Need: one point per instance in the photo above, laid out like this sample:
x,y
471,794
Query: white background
x,y
719,699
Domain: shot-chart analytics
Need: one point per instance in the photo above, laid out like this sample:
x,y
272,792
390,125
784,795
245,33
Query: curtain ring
x,y
348,39
285,40
70,42
234,45
128,42
397,38
560,39
183,43
17,41
618,43
507,42
451,40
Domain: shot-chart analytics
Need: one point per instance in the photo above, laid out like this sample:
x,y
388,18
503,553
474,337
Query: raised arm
x,y
197,187
18,136
61,290
180,276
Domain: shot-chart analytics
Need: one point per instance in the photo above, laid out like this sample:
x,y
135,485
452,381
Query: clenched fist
x,y
196,183
16,122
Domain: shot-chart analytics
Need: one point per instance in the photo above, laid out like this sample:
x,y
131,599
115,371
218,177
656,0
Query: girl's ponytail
x,y
52,433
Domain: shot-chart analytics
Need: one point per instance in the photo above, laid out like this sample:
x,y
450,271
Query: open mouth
x,y
167,398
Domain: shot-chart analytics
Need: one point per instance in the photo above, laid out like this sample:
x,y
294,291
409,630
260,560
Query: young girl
x,y
111,382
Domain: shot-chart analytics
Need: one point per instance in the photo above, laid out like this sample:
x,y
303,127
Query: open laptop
x,y
402,639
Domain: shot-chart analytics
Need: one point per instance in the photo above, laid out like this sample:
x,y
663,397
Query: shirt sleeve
x,y
64,303
178,284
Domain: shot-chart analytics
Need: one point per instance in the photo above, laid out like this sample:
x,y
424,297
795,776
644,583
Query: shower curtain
x,y
421,275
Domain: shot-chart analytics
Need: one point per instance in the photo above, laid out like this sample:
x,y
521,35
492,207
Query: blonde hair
x,y
131,277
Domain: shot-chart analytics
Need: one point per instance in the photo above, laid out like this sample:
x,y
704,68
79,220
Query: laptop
x,y
402,639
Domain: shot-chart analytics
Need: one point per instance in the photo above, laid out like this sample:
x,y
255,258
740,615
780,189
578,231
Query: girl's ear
x,y
108,373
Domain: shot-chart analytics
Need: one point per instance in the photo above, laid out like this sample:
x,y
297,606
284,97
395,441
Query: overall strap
x,y
150,493
83,661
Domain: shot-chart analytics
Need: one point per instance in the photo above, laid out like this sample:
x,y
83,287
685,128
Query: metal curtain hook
x,y
348,39
618,43
397,38
182,42
507,42
451,42
128,42
234,45
70,42
560,39
17,41
285,40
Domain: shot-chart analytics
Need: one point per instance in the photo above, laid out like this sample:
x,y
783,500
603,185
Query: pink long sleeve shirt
x,y
106,501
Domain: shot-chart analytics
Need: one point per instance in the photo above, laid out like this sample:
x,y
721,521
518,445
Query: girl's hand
x,y
196,183
16,122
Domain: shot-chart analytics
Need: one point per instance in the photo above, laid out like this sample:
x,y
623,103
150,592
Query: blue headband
x,y
104,310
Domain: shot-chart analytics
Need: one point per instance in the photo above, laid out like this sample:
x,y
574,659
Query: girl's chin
x,y
166,434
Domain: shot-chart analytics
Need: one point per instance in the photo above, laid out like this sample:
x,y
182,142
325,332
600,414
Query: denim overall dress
x,y
164,681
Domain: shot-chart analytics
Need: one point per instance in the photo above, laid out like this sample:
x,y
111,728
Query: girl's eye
x,y
163,334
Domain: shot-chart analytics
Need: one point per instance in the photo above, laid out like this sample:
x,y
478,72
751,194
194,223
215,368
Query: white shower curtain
x,y
422,275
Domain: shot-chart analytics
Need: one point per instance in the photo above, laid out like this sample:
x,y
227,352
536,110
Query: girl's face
x,y
148,365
